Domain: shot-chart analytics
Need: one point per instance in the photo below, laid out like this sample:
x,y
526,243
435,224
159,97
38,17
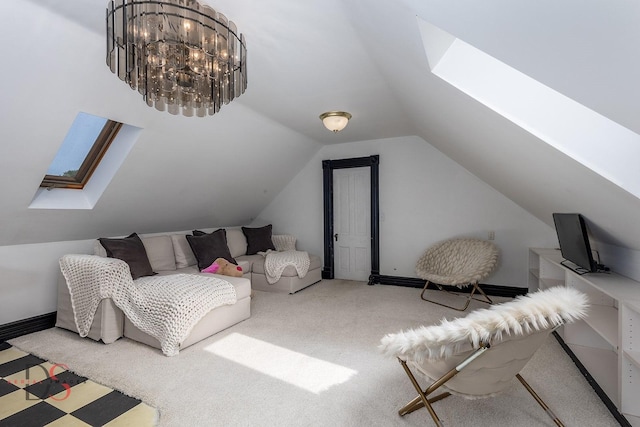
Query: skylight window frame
x,y
92,160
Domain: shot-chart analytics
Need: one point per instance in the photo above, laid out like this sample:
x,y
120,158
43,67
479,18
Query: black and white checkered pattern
x,y
34,392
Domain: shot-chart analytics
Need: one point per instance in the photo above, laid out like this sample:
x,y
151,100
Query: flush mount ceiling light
x,y
335,121
181,56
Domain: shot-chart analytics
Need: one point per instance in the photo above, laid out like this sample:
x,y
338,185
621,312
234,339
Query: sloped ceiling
x,y
307,57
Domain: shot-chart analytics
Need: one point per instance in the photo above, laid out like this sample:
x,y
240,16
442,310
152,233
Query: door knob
x,y
335,236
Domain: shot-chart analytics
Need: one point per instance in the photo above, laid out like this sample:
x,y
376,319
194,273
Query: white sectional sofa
x,y
171,253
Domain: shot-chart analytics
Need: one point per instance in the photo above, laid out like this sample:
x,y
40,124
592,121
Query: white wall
x,y
29,277
424,197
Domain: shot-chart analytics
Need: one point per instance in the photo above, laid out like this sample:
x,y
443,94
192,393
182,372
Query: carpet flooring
x,y
311,359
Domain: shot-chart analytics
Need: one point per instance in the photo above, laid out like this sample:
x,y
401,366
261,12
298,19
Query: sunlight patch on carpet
x,y
300,370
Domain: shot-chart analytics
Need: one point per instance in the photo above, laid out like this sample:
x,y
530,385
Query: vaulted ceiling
x,y
307,57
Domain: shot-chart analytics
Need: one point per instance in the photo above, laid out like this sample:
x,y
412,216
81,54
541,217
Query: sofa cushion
x,y
131,250
182,250
208,247
237,242
160,252
258,239
248,260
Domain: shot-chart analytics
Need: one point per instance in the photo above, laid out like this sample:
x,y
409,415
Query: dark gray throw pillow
x,y
131,250
258,239
208,247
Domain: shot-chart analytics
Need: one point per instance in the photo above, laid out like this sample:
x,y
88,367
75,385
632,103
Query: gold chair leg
x,y
479,289
469,298
541,402
419,401
411,406
416,403
422,401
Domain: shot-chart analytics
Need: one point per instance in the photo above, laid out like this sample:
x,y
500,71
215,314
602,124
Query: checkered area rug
x,y
34,392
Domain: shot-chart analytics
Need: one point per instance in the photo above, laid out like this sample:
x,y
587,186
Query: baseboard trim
x,y
414,282
594,384
27,326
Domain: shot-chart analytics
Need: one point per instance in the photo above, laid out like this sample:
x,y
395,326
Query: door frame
x,y
328,167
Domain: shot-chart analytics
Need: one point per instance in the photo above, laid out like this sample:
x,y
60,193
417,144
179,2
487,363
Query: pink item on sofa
x,y
213,268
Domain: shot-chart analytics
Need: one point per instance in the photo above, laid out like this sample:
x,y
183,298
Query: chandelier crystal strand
x,y
182,57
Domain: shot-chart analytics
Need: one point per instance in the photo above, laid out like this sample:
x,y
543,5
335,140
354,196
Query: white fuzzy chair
x,y
479,355
460,263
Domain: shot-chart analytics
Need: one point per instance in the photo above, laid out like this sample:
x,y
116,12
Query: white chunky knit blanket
x,y
276,262
165,307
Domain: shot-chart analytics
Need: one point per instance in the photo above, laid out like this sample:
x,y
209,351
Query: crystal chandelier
x,y
181,56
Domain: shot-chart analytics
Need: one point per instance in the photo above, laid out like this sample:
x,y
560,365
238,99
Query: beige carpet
x,y
310,359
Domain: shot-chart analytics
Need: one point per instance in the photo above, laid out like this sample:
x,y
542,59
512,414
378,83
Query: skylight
x,y
81,151
87,160
76,145
588,137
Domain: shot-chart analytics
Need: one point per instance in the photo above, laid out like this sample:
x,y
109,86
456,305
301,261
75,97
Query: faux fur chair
x,y
479,355
458,262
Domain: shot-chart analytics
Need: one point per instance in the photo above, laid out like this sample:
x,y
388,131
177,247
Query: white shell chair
x,y
479,355
460,263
